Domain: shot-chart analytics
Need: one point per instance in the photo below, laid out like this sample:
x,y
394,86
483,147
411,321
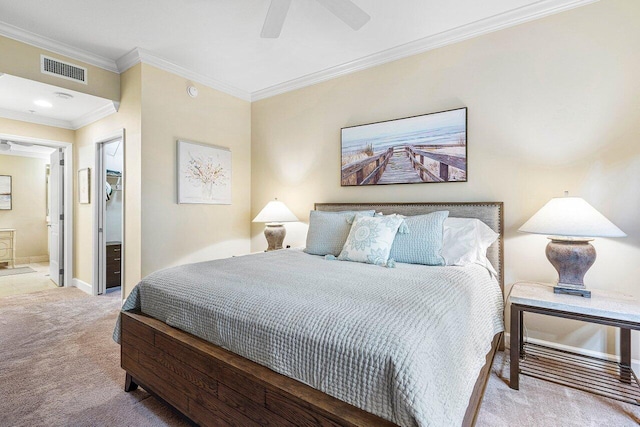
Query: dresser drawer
x,y
6,242
113,251
6,254
114,278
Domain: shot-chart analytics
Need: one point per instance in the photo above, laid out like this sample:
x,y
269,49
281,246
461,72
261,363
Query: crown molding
x,y
139,55
94,116
24,36
32,118
30,154
75,124
455,35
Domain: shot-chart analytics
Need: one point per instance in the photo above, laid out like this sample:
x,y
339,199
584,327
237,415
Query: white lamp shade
x,y
275,211
571,217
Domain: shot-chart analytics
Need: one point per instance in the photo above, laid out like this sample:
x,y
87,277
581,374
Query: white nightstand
x,y
606,378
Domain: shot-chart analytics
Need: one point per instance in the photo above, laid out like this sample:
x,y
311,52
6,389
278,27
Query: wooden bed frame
x,y
214,387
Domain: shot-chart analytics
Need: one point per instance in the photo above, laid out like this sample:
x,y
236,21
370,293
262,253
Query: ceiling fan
x,y
346,10
6,145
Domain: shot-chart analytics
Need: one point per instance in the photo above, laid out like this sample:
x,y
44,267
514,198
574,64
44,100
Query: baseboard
x,y
635,363
83,286
23,260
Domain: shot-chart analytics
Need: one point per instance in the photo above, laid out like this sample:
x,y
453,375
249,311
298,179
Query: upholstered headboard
x,y
491,213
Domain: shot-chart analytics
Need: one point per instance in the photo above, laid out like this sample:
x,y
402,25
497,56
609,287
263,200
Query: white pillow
x,y
466,240
370,239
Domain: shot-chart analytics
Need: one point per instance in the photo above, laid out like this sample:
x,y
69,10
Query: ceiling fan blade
x,y
275,19
347,11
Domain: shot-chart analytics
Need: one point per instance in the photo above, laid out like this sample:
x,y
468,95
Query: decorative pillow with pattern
x,y
329,230
370,239
422,244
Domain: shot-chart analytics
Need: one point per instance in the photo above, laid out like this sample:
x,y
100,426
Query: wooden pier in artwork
x,y
402,164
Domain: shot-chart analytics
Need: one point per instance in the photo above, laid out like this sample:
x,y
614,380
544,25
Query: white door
x,y
56,217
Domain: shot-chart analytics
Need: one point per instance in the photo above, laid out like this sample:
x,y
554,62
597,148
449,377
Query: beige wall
x,y
29,204
129,118
155,111
553,105
25,129
175,234
23,60
30,218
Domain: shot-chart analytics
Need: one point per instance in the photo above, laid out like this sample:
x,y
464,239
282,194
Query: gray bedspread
x,y
404,343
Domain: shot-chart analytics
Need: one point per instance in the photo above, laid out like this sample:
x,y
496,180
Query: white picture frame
x,y
83,185
204,173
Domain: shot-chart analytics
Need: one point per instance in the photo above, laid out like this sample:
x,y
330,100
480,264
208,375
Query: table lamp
x,y
571,223
274,214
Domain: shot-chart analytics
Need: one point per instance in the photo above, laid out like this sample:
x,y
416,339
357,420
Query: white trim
x,y
35,141
30,154
94,116
635,363
455,35
68,196
82,121
129,59
83,286
33,39
99,244
32,118
139,55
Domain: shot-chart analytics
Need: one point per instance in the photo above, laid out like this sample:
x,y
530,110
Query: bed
x,y
369,372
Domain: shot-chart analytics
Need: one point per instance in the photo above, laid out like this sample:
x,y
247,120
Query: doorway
x,y
108,231
42,213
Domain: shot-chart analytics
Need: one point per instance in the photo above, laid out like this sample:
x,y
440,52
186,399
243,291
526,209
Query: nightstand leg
x,y
625,355
516,343
521,339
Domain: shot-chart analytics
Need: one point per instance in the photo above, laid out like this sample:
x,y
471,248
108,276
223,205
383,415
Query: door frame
x,y
99,249
68,200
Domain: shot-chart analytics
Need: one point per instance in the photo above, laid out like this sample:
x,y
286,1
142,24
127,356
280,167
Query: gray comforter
x,y
404,343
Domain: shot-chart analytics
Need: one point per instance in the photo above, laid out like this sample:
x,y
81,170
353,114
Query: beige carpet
x,y
59,367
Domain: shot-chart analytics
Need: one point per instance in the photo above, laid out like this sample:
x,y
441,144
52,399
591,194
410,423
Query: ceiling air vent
x,y
62,69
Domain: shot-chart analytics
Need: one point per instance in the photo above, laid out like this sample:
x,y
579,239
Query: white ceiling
x,y
219,40
37,151
18,96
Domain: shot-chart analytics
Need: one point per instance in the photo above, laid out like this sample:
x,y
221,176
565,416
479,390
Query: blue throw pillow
x,y
423,243
329,230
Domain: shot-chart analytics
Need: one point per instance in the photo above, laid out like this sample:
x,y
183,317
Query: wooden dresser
x,y
8,246
114,264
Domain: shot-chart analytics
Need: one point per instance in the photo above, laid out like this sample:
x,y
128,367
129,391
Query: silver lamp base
x,y
275,236
572,258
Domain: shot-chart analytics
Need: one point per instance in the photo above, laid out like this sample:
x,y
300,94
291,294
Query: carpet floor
x,y
14,271
59,366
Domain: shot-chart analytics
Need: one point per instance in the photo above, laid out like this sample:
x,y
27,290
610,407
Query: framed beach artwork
x,y
204,173
419,149
5,192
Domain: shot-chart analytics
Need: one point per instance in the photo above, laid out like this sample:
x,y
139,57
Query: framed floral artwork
x,y
204,173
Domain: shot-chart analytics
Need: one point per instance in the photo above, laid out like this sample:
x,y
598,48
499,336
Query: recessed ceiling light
x,y
43,103
63,95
